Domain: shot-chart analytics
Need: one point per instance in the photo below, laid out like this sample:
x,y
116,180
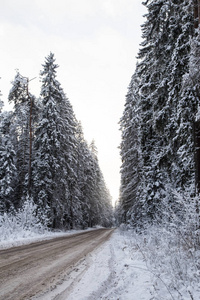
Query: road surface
x,y
30,270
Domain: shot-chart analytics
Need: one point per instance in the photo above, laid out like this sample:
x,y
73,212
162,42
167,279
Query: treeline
x,y
159,126
44,157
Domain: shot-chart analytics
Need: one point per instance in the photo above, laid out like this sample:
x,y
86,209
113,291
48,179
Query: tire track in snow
x,y
32,269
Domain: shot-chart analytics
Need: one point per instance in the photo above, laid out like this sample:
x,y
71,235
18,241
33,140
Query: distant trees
x,y
44,157
157,125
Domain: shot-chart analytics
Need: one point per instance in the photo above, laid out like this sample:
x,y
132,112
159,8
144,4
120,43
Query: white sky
x,y
95,43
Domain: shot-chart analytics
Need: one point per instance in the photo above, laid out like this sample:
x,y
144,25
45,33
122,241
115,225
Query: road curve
x,y
28,270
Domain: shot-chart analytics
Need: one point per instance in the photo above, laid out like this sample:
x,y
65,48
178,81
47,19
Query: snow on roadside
x,y
115,273
27,225
112,271
31,237
124,268
128,266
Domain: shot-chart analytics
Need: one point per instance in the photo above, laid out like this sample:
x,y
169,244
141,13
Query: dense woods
x,y
45,159
45,162
50,177
160,123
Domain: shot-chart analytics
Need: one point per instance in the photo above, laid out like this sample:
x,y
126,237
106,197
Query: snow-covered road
x,y
113,271
127,266
32,269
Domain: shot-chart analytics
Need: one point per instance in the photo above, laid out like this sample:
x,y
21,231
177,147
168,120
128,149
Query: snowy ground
x,y
31,237
129,267
110,272
114,273
123,269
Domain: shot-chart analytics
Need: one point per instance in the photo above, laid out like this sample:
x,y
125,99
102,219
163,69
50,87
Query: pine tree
x,y
18,97
55,182
175,49
106,212
47,144
8,172
177,106
153,90
83,157
1,103
164,130
69,145
100,211
188,113
25,113
95,198
7,162
130,155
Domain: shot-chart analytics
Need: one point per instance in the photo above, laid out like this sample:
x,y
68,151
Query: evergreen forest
x,y
45,161
50,178
160,124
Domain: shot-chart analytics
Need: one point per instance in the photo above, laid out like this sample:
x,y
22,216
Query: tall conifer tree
x,y
54,176
130,155
164,130
8,171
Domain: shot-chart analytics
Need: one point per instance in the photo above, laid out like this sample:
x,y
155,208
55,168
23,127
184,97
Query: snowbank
x,y
25,226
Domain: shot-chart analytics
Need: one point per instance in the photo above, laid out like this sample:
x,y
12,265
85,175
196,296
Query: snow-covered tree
x,y
8,171
130,155
95,197
47,143
69,146
179,105
83,171
188,114
154,58
163,137
44,158
100,211
24,116
1,103
54,177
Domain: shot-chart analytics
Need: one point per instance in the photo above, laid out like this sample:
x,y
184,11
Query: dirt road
x,y
29,270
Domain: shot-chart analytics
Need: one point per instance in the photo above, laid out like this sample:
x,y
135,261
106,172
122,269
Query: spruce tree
x,y
164,130
153,90
55,182
130,155
100,211
83,156
188,115
47,143
177,105
18,97
69,146
1,103
8,171
24,120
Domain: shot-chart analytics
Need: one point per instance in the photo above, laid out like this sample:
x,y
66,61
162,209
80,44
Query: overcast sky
x,y
95,43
